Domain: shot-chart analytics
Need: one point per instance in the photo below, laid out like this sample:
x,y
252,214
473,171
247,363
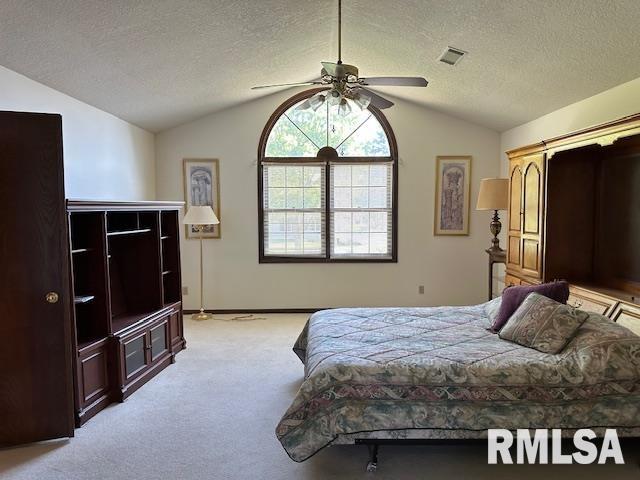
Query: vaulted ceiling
x,y
160,63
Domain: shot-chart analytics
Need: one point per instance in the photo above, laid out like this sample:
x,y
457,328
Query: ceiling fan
x,y
346,86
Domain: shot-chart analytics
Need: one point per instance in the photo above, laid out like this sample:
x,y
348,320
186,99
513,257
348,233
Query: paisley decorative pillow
x,y
543,324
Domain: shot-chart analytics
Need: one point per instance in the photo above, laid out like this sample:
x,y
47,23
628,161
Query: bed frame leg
x,y
372,465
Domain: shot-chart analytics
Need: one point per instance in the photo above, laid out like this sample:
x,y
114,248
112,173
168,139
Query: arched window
x,y
327,184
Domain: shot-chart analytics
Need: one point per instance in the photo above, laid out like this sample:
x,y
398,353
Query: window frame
x,y
392,158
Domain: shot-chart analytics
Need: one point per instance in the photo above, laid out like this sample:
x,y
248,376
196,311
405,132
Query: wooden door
x,y
532,215
514,232
36,399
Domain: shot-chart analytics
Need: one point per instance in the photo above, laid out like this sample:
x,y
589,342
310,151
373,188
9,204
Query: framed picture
x,y
202,187
453,181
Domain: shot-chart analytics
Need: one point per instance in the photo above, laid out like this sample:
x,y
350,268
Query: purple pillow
x,y
513,297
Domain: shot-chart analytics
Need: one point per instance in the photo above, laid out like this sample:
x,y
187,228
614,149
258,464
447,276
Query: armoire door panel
x,y
530,255
531,198
514,251
515,197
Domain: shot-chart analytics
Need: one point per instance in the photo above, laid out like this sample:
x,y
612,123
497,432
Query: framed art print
x,y
202,187
453,181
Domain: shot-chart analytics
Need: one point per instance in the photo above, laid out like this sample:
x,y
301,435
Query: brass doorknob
x,y
51,297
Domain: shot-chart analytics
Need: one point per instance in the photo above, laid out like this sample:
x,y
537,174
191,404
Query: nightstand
x,y
496,255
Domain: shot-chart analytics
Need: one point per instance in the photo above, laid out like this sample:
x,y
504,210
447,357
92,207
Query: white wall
x,y
609,105
105,158
452,269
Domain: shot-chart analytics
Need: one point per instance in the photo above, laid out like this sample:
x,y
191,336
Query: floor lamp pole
x,y
202,315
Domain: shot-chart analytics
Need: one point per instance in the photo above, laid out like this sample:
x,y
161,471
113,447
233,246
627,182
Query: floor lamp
x,y
199,216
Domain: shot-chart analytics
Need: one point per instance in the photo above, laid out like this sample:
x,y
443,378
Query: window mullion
x,y
328,201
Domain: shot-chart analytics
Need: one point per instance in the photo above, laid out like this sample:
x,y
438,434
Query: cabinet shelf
x,y
122,322
128,232
80,299
87,343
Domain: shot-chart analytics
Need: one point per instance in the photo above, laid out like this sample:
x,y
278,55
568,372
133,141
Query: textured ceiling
x,y
163,62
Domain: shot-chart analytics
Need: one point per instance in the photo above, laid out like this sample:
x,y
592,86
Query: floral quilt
x,y
439,369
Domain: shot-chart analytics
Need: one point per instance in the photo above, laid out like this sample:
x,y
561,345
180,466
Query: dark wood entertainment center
x,y
125,270
91,304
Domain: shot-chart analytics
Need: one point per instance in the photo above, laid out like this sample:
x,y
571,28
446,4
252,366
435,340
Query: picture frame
x,y
453,190
201,178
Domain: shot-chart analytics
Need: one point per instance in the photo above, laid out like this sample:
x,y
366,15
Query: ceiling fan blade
x,y
287,85
394,81
377,100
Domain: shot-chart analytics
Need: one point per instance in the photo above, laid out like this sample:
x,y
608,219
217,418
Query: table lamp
x,y
494,195
199,216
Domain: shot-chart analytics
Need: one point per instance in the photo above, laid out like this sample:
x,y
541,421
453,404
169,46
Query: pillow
x,y
492,308
513,297
543,324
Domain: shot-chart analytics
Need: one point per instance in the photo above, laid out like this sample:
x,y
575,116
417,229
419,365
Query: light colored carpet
x,y
212,415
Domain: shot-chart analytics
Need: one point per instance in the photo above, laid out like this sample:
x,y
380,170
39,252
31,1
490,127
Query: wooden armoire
x,y
574,214
91,303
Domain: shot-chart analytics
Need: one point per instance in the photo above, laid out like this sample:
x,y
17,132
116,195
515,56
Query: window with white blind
x,y
327,185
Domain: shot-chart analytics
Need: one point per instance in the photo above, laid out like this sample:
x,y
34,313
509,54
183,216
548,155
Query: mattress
x,y
439,373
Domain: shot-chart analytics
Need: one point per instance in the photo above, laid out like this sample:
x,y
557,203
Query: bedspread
x,y
386,369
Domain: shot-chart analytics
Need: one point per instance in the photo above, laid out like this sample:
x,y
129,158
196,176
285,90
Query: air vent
x,y
451,55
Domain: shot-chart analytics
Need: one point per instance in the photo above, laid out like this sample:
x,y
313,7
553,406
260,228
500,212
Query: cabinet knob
x,y
51,297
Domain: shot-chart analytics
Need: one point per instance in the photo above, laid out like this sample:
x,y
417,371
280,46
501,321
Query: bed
x,y
437,373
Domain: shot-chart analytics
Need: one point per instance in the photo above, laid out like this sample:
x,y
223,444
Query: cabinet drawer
x,y
628,316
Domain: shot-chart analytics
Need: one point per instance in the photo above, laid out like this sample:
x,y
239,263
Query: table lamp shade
x,y
494,194
201,215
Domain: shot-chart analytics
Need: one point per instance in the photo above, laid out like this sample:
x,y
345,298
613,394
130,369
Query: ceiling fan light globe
x,y
334,97
362,101
316,101
306,105
344,107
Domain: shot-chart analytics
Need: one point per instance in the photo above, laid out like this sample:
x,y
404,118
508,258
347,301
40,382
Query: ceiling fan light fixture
x,y
317,101
333,97
362,100
344,107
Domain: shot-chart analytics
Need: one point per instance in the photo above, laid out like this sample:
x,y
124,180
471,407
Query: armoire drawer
x,y
628,316
590,301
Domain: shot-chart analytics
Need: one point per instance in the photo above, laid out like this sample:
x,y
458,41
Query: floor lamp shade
x,y
201,215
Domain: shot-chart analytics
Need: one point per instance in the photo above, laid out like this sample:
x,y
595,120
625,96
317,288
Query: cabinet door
x,y
159,339
36,361
93,374
515,214
175,328
135,355
532,215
